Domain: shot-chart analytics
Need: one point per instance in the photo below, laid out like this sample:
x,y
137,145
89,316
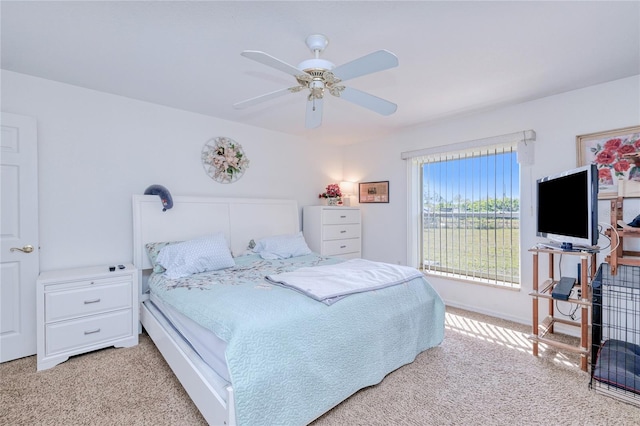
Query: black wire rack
x,y
615,333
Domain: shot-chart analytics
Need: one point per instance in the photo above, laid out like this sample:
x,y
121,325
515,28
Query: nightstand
x,y
333,231
84,309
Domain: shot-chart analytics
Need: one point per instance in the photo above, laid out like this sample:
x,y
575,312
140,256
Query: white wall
x,y
95,150
557,121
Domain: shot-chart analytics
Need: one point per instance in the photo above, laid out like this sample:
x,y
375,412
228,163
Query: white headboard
x,y
241,220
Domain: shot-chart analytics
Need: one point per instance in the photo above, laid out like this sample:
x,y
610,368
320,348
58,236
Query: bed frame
x,y
241,220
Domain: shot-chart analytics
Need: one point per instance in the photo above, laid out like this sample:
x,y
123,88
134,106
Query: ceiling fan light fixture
x,y
316,87
335,90
330,78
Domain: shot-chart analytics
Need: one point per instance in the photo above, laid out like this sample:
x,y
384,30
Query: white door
x,y
19,259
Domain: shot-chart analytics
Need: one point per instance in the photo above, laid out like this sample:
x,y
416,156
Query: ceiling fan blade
x,y
265,97
272,62
314,113
368,101
373,62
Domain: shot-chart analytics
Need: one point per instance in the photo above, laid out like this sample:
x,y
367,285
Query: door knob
x,y
26,249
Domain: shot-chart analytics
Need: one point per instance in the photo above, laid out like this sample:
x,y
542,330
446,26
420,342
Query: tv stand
x,y
552,245
549,245
542,331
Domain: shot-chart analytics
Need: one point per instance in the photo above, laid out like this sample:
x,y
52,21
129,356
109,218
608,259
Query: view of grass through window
x,y
471,217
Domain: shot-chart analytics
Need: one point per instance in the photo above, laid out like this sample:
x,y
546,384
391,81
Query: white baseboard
x,y
568,330
491,313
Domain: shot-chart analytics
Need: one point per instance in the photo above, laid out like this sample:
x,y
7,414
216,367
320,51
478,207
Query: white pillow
x,y
282,246
203,254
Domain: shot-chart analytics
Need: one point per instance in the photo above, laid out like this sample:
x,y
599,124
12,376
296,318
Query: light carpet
x,y
483,374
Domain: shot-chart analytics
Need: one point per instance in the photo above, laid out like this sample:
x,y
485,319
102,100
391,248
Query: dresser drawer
x,y
340,215
74,334
337,232
339,247
333,231
87,300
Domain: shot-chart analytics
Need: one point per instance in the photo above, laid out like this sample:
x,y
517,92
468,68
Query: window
x,y
469,203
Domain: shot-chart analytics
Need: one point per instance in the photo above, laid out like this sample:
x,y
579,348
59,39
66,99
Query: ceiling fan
x,y
319,76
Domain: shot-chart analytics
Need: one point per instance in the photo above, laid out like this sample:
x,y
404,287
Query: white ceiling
x,y
455,57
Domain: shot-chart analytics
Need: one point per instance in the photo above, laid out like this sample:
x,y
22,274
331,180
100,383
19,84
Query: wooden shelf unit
x,y
543,330
620,256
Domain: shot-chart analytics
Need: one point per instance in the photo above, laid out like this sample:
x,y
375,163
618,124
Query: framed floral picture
x,y
616,153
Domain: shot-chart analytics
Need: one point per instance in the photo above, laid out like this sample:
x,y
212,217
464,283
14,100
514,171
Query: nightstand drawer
x,y
337,232
338,247
67,304
341,215
74,334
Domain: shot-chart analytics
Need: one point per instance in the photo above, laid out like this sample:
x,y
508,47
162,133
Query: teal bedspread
x,y
292,358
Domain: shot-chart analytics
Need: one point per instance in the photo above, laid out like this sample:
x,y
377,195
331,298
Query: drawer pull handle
x,y
343,246
343,217
86,302
342,232
97,330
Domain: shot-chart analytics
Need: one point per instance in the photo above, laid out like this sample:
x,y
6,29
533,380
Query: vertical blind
x,y
470,220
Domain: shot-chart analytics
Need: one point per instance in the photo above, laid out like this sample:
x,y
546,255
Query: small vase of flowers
x,y
331,195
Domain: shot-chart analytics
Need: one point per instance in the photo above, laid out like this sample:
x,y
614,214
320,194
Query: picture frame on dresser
x,y
374,192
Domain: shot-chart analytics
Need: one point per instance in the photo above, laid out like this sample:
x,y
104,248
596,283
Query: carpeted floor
x,y
483,374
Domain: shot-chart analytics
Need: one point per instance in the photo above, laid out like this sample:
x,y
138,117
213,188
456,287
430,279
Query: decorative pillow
x,y
282,246
153,250
203,254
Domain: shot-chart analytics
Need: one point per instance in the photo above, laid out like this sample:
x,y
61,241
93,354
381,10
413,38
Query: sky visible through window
x,y
471,218
472,179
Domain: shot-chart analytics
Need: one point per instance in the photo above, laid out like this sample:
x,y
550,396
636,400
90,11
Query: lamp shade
x,y
346,187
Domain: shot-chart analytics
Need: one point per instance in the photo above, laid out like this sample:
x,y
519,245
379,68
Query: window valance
x,y
470,148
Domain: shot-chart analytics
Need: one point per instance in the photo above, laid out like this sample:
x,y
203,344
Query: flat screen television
x,y
567,208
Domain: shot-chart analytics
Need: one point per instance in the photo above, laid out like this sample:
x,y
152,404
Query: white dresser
x,y
333,231
81,310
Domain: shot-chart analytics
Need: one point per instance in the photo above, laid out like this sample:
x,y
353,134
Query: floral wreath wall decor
x,y
224,159
615,153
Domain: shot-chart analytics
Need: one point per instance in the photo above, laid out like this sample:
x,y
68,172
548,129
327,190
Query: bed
x,y
249,351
